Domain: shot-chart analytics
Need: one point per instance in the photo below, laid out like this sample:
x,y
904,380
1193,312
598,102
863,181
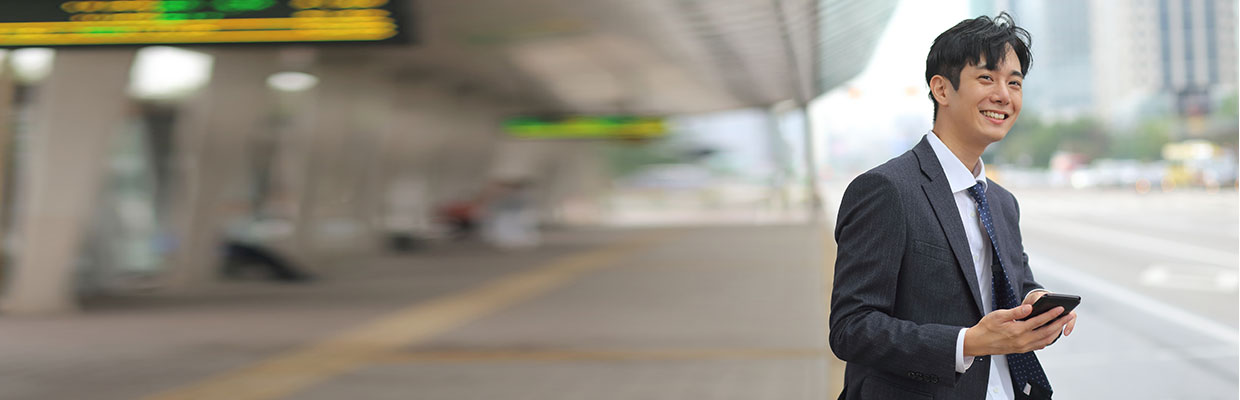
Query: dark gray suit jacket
x,y
905,283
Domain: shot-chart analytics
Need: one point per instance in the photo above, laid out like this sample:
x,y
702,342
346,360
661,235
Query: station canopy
x,y
571,57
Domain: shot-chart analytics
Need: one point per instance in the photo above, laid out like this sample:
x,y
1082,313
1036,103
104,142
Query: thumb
x,y
1013,314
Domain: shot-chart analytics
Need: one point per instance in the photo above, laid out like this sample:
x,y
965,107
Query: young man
x,y
931,277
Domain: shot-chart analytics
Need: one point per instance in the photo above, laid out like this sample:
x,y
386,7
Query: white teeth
x,y
994,115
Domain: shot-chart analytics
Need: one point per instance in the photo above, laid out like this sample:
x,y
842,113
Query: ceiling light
x,y
32,64
292,81
168,72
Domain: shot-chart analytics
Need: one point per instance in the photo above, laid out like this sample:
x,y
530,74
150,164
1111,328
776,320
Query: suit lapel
x,y
940,196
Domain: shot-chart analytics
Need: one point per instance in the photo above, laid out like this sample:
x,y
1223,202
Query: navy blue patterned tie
x,y
1024,367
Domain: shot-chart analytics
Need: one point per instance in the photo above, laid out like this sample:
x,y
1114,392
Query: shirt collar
x,y
958,176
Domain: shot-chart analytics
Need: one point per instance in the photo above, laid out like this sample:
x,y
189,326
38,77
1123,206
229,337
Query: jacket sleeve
x,y
871,233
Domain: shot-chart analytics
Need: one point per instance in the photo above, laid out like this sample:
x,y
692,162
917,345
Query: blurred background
x,y
544,199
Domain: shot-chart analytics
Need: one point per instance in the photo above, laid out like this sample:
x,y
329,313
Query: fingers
x,y
1033,296
1013,314
1054,328
1033,334
1043,318
1050,333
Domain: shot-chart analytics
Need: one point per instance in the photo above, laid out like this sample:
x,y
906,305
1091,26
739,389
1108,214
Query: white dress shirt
x,y
960,179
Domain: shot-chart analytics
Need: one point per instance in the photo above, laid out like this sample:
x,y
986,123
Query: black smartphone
x,y
1052,300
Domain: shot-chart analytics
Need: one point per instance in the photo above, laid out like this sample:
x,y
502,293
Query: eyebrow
x,y
1013,72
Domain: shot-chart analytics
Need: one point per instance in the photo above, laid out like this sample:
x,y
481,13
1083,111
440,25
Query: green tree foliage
x,y
1227,122
1230,106
1032,141
1145,143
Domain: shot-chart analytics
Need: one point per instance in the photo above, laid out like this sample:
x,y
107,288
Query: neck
x,y
968,153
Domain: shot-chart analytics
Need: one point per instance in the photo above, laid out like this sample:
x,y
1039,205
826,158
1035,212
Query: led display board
x,y
586,127
144,22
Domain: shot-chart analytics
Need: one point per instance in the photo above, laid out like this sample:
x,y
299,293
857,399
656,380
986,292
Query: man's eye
x,y
1016,83
986,77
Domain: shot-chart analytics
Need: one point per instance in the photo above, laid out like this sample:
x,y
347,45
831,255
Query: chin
x,y
993,134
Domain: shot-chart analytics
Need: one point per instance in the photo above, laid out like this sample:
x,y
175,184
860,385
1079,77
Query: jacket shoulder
x,y
999,190
900,171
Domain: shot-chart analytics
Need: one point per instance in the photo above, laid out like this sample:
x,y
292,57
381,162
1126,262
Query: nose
x,y
1002,95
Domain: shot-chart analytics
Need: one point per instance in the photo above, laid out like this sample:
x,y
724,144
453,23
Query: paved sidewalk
x,y
701,313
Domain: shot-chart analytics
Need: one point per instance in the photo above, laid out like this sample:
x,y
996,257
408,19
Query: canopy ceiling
x,y
636,56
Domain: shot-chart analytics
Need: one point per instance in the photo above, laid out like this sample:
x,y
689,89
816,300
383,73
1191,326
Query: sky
x,y
885,107
900,58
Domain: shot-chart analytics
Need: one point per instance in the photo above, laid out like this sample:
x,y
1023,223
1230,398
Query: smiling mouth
x,y
995,115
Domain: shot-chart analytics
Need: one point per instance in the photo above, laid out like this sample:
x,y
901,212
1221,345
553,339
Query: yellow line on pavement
x,y
291,372
600,355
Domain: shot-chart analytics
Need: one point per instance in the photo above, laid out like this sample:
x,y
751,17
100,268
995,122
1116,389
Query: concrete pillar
x,y
450,150
475,143
7,88
292,167
408,201
800,122
442,146
81,106
781,156
214,141
374,119
521,159
421,155
577,185
482,120
342,186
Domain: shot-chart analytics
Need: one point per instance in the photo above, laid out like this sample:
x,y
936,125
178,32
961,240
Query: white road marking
x,y
1188,321
1131,241
1144,354
1190,277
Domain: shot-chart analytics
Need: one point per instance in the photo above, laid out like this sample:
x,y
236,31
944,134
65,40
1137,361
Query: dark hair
x,y
965,44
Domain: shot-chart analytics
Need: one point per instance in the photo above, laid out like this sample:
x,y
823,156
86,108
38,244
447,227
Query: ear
x,y
940,87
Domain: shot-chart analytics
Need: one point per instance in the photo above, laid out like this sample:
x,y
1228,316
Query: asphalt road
x,y
1157,274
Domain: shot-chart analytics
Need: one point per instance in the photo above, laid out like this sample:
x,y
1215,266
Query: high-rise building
x,y
1125,59
1059,81
1178,55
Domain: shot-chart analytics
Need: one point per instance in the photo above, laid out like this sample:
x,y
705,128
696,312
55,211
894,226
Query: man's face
x,y
987,102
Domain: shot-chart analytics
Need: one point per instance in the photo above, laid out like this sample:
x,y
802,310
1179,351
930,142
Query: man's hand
x,y
1033,297
1000,333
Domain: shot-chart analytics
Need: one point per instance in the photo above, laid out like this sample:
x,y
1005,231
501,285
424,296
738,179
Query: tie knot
x,y
978,192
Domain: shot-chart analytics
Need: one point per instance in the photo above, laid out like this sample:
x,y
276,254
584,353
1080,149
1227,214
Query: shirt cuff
x,y
962,363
